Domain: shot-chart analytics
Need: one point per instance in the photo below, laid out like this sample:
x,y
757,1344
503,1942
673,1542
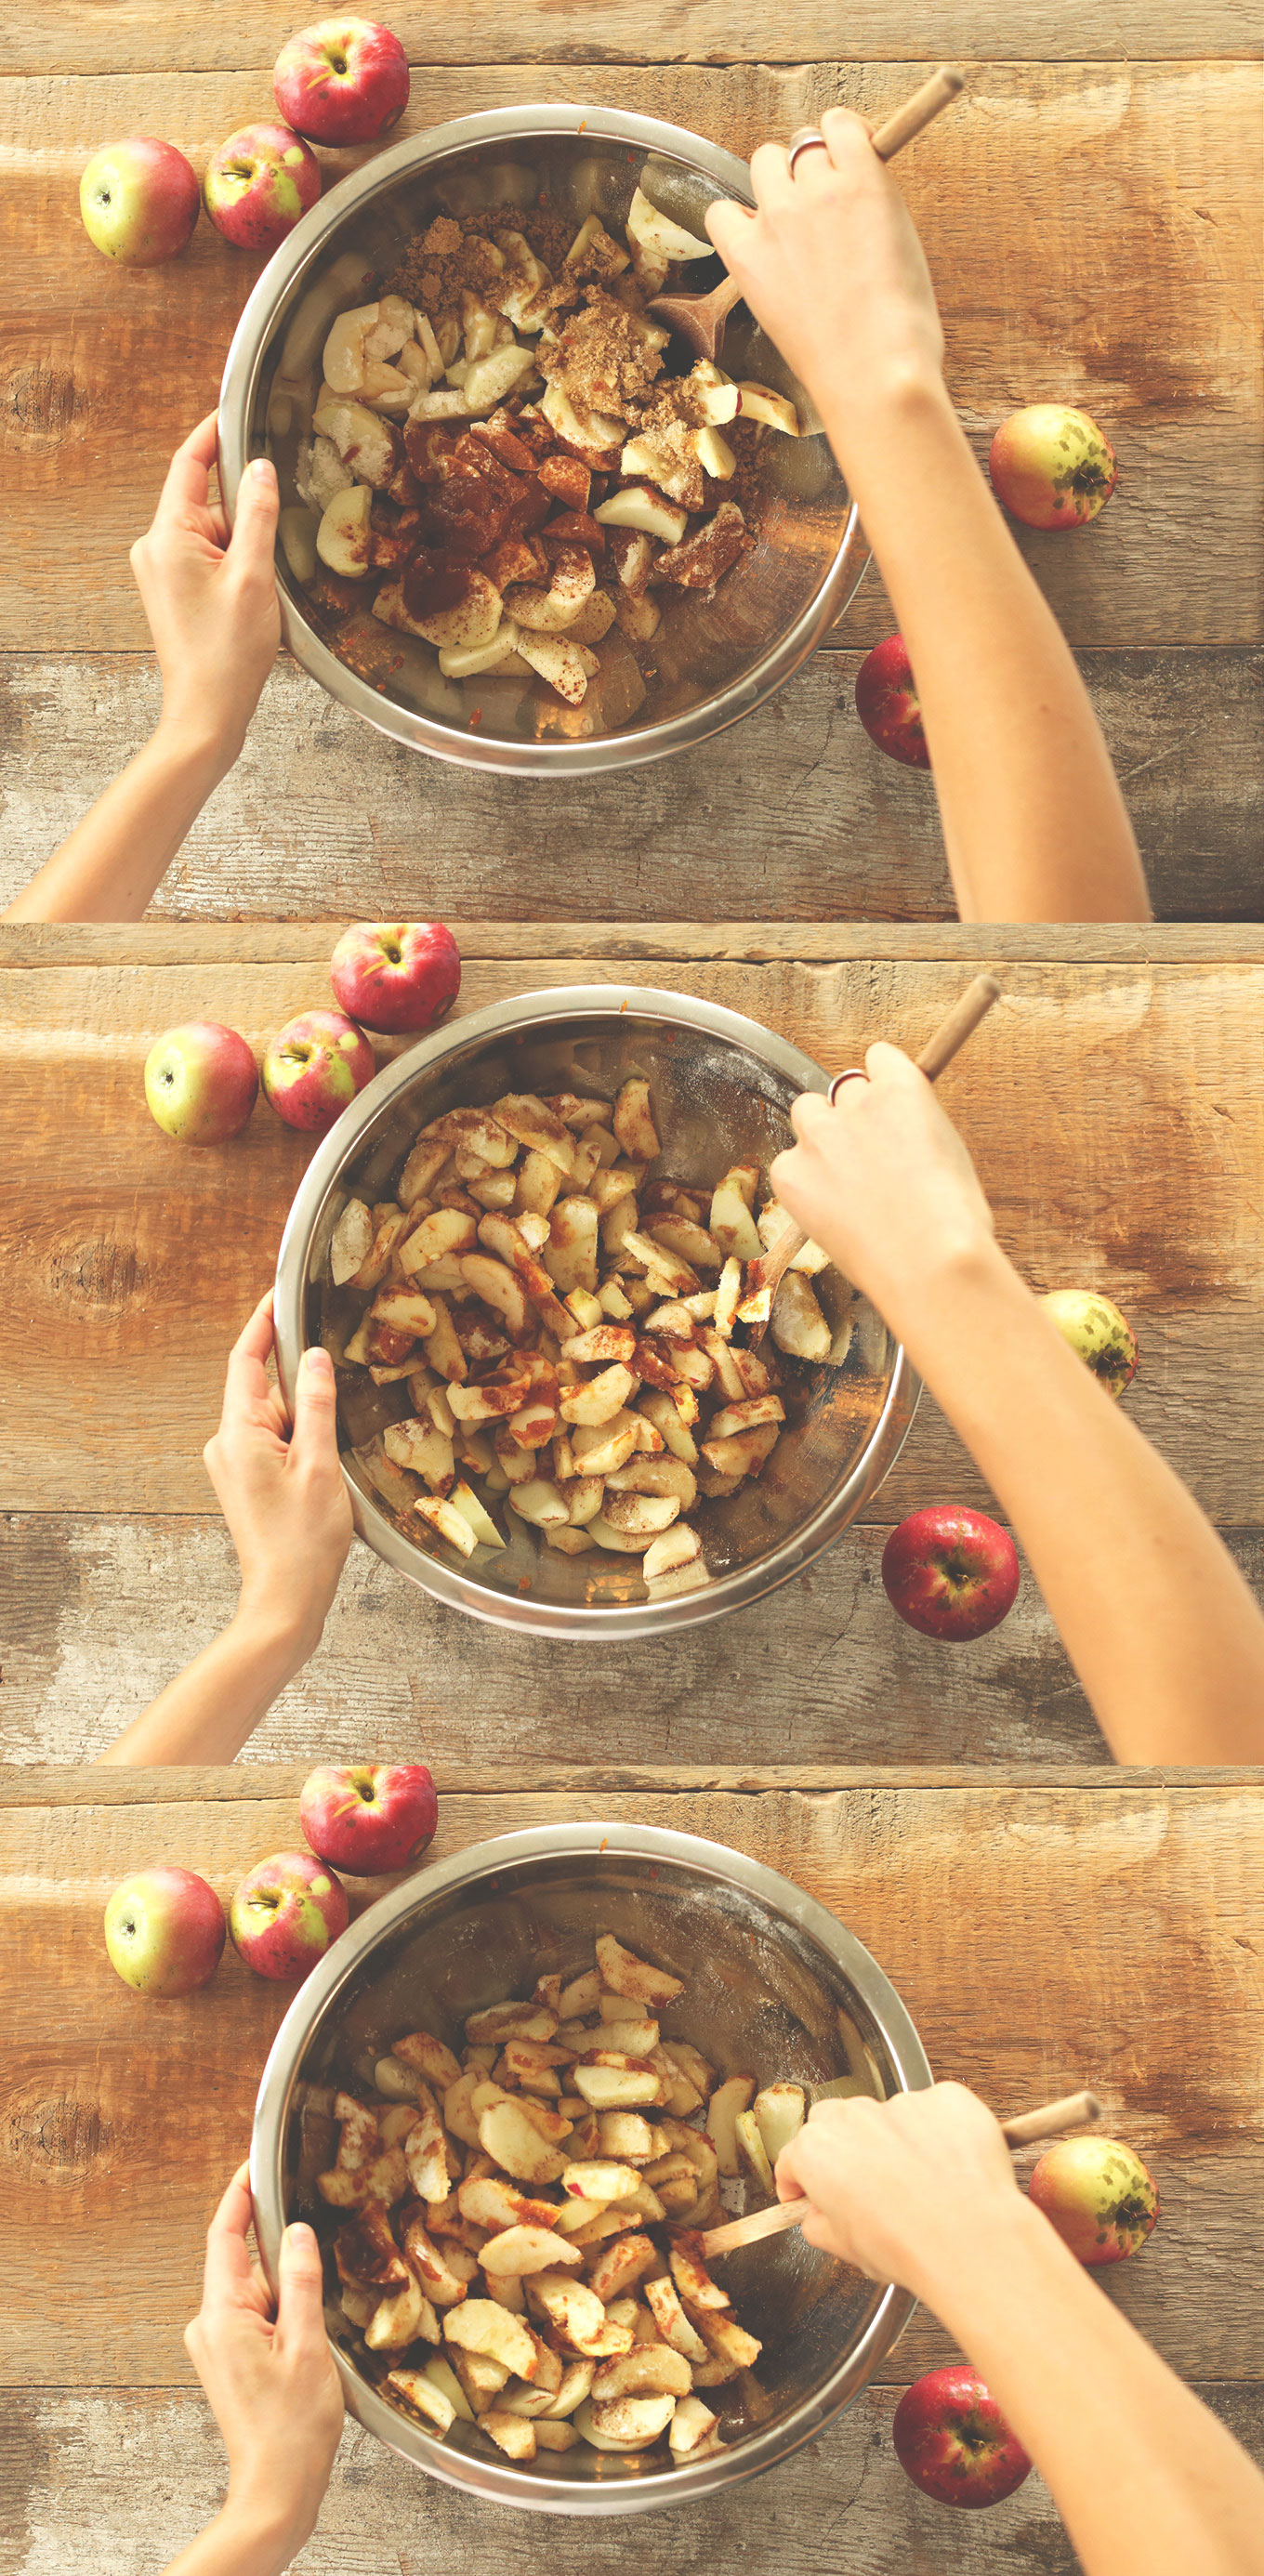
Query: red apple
x,y
1052,467
285,1914
1099,2196
887,703
953,2441
950,1572
396,975
371,1817
139,201
201,1083
315,1068
259,185
1097,1332
344,80
164,1931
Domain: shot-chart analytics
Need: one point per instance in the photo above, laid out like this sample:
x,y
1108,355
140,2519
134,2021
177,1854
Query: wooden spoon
x,y
1074,2111
700,319
963,1019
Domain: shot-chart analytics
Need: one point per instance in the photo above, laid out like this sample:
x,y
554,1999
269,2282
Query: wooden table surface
x,y
1106,1928
1112,1101
1093,226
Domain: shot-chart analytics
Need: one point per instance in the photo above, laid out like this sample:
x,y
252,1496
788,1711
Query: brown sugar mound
x,y
602,360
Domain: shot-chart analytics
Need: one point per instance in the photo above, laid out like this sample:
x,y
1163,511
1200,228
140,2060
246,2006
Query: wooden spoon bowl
x,y
700,319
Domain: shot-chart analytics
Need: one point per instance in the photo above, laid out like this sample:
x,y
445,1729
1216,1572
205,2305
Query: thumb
x,y
301,2286
254,528
315,1436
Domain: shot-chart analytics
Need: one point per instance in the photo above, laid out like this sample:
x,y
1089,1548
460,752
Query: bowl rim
x,y
520,1014
498,2481
239,385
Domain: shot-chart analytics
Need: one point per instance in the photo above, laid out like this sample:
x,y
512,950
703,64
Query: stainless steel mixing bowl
x,y
715,659
774,1983
722,1088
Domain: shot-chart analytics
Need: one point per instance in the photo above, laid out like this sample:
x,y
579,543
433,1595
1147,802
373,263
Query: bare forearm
x,y
1034,822
239,2543
212,1708
1155,1616
1147,2482
116,857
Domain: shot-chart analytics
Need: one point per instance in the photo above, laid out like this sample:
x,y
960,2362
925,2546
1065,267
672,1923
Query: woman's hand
x,y
268,2371
211,601
281,1493
898,2186
832,267
885,1185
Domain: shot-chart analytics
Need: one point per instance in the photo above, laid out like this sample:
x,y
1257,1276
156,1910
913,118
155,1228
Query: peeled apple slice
x,y
342,539
759,402
465,661
297,530
492,377
715,455
657,232
639,507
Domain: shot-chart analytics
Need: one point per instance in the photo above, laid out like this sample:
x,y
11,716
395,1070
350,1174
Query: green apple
x,y
201,1082
1098,1334
139,201
164,1931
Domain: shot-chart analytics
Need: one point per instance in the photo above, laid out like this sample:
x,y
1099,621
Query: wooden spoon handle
x,y
918,111
722,298
1074,2111
963,1019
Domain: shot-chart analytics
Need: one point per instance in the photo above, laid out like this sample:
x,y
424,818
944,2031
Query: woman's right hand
x,y
896,2187
884,1184
831,264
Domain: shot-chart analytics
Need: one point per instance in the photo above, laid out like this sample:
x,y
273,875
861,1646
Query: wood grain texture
x,y
1113,1936
180,35
1115,1115
52,946
99,1613
1162,343
179,1784
124,2480
322,815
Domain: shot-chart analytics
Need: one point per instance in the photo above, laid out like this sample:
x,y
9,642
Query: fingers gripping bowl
x,y
721,1089
772,1980
715,654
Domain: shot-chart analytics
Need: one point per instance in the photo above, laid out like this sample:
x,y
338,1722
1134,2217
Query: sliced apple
x,y
342,539
657,233
640,506
466,661
759,402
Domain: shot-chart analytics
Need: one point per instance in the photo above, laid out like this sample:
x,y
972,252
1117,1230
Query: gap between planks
x,y
269,942
90,1786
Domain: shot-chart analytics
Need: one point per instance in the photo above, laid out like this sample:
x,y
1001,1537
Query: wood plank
x,y
1115,1115
53,946
197,1784
321,811
1166,2028
180,35
1166,351
100,1612
82,2476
